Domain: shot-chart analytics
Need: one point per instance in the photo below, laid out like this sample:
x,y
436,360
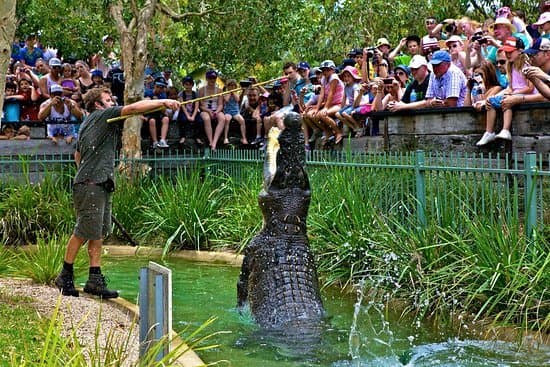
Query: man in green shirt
x,y
94,184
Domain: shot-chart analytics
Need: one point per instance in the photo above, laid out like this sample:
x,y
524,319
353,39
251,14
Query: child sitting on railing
x,y
518,85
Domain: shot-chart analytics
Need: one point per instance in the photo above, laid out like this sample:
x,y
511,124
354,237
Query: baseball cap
x,y
418,61
352,52
161,82
328,64
97,72
543,18
106,37
511,44
382,41
346,62
440,56
211,74
405,68
265,95
303,65
56,88
540,44
353,71
54,61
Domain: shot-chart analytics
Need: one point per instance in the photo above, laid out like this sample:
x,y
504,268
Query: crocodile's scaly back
x,y
278,276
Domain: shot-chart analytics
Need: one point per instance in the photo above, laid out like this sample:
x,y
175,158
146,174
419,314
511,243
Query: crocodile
x,y
278,279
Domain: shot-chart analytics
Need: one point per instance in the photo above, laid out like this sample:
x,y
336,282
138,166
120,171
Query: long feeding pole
x,y
124,117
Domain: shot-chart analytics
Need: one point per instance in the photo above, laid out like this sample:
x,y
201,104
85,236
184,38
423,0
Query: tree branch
x,y
116,12
165,9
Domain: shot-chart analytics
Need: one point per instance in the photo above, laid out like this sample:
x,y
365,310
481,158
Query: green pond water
x,y
202,290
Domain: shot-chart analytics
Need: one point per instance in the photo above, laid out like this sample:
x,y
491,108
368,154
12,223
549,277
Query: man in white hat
x,y
416,91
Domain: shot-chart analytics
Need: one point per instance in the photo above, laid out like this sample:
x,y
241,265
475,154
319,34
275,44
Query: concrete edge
x,y
229,258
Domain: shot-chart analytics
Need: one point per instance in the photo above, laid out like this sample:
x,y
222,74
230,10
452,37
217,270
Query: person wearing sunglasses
x,y
501,68
539,71
455,46
54,77
431,38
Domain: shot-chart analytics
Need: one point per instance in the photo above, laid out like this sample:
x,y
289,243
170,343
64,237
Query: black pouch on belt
x,y
108,185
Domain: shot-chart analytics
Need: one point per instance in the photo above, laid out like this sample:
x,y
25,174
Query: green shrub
x,y
43,262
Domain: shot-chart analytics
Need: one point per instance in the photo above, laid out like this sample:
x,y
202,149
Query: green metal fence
x,y
431,187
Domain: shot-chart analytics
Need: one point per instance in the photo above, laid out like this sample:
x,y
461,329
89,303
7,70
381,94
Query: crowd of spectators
x,y
492,65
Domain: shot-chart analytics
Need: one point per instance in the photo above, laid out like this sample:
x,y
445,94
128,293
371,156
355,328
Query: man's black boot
x,y
65,283
97,286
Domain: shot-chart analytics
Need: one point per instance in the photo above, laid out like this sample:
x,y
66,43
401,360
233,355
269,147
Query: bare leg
x,y
207,126
507,119
491,118
153,130
219,130
164,127
73,246
242,124
227,122
94,252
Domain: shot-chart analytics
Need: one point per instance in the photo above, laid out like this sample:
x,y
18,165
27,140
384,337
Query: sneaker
x,y
258,141
65,283
97,286
486,138
504,134
155,145
163,144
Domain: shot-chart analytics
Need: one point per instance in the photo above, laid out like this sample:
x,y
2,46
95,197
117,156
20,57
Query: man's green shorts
x,y
93,211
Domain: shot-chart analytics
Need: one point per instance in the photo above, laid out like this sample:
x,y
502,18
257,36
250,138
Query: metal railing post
x,y
530,164
420,188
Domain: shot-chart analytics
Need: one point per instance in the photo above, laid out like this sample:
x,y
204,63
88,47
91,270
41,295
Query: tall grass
x,y
184,212
29,211
43,262
59,350
471,256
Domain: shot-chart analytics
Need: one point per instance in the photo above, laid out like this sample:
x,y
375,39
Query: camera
x,y
370,52
430,48
480,39
388,81
450,28
245,83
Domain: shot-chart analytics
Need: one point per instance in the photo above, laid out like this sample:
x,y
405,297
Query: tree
x,y
133,28
7,33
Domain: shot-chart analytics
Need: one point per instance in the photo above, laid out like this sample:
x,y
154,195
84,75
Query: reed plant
x,y
184,212
29,211
43,262
242,216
